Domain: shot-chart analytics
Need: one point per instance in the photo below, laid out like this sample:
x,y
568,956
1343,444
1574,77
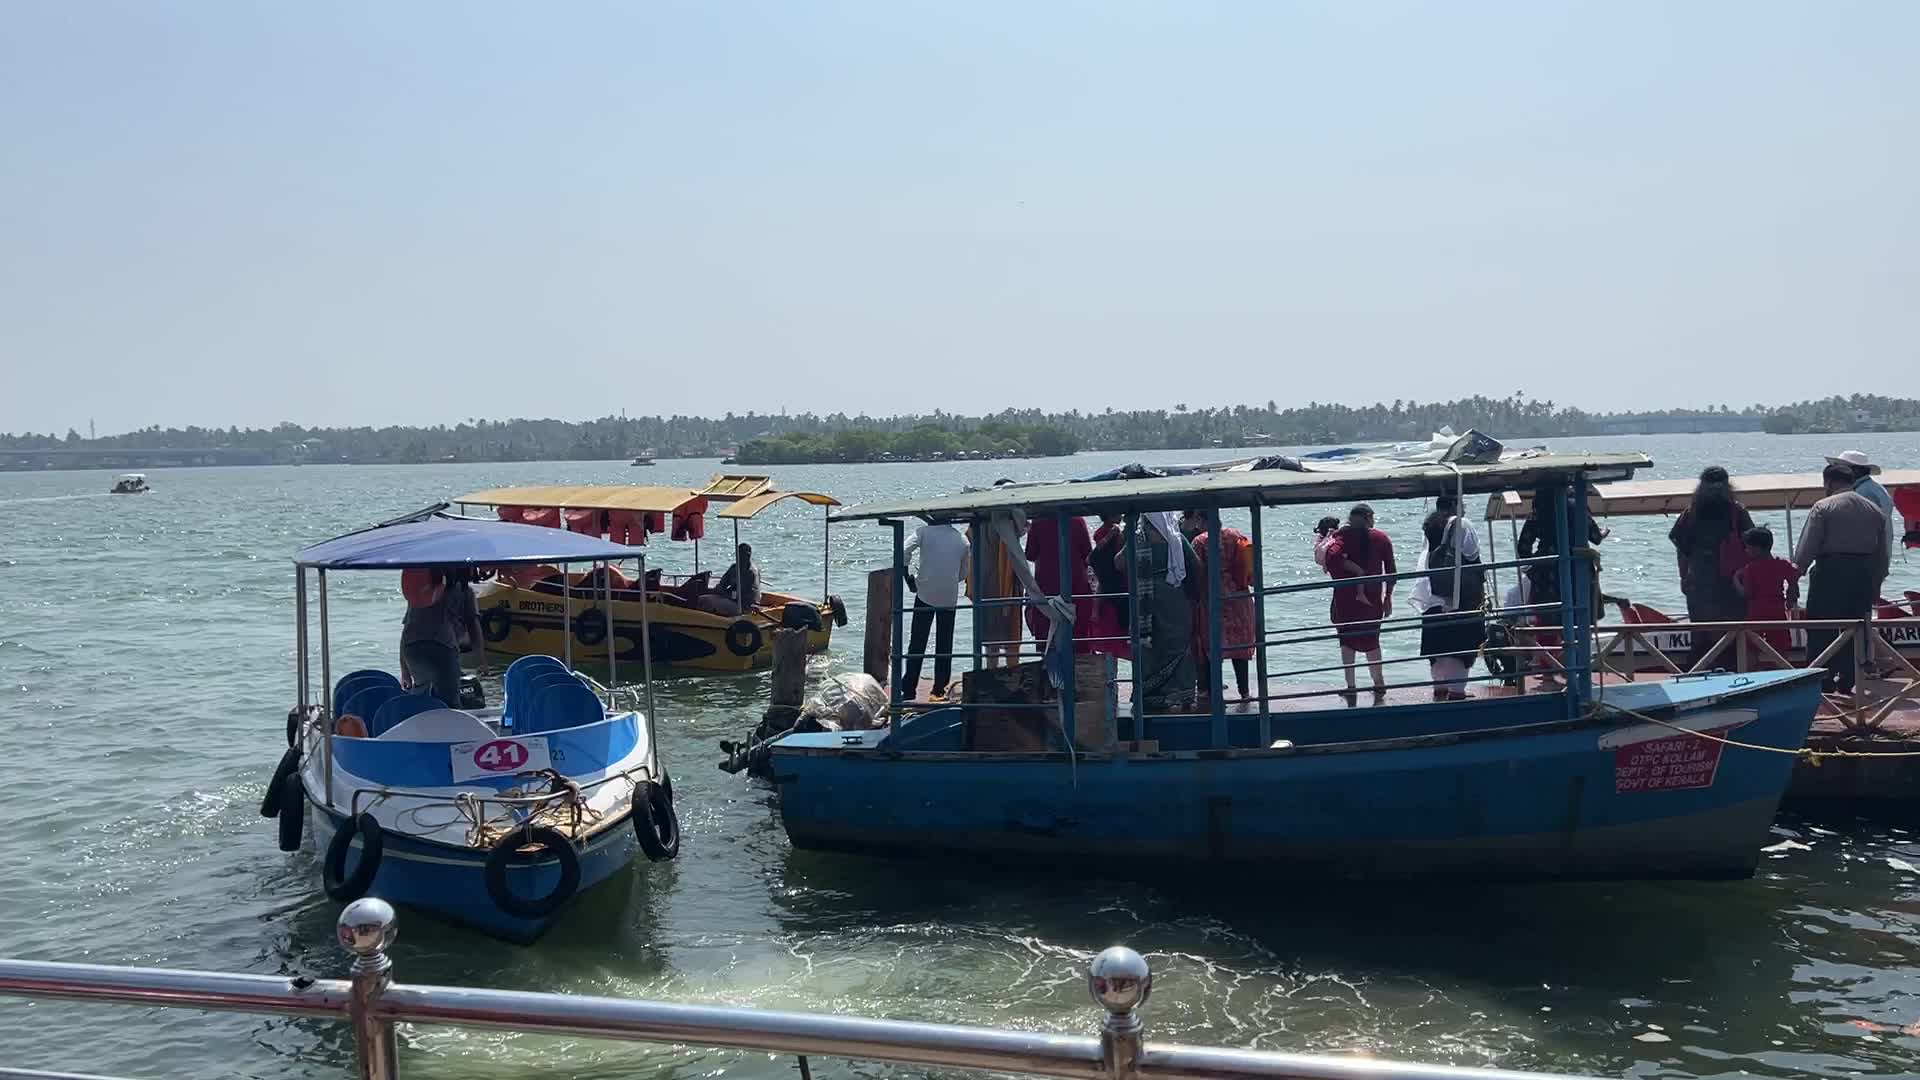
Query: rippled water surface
x,y
146,665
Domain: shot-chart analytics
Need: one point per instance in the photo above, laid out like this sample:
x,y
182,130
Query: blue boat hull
x,y
450,883
1539,797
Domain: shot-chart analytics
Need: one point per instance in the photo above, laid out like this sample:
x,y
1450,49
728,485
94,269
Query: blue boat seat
x,y
560,705
356,681
397,709
515,684
440,725
366,703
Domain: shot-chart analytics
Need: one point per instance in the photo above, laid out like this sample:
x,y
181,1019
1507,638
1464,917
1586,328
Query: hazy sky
x,y
242,213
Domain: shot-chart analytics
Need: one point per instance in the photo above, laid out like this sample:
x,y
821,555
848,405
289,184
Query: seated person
x,y
739,588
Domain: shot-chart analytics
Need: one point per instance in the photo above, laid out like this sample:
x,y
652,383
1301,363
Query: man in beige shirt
x,y
1845,545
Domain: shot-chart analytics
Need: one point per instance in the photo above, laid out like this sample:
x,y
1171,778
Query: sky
x,y
375,213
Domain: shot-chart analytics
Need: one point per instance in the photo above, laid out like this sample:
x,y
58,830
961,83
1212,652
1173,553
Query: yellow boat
x,y
536,612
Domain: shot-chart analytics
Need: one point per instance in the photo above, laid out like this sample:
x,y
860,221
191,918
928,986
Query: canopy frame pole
x,y
300,634
826,553
646,673
1563,566
566,611
977,556
899,612
1216,637
613,666
1136,695
326,691
1258,585
1069,703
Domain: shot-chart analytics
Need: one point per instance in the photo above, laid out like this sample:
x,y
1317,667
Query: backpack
x,y
1473,579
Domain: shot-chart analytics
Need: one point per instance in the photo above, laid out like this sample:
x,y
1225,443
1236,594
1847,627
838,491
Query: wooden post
x,y
877,654
789,668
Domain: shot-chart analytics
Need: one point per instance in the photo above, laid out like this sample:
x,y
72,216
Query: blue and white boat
x,y
1560,778
492,818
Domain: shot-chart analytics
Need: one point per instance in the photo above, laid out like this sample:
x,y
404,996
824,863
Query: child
x,y
1323,535
1771,585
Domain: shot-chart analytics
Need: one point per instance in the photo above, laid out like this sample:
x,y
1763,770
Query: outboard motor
x,y
471,695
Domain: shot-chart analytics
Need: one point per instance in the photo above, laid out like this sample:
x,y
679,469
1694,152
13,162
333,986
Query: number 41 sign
x,y
499,757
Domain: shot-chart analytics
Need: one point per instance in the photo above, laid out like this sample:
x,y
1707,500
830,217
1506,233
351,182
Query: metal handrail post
x,y
646,673
366,929
613,636
1120,982
1580,645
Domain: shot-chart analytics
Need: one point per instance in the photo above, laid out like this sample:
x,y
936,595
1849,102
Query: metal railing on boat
x,y
1119,980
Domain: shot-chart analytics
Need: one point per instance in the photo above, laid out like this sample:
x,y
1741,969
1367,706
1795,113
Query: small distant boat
x,y
132,483
644,457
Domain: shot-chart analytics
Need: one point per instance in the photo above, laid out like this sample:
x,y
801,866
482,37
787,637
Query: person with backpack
x,y
1709,543
1452,627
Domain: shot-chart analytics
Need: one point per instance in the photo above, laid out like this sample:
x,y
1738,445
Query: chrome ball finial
x,y
1119,980
366,928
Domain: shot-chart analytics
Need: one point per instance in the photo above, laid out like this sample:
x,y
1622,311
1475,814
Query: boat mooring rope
x,y
1806,753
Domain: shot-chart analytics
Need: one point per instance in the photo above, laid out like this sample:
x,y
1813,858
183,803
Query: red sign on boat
x,y
1679,763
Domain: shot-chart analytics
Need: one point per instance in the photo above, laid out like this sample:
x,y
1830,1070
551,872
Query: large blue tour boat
x,y
1521,777
493,818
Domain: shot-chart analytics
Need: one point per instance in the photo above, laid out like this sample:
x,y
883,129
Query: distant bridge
x,y
120,457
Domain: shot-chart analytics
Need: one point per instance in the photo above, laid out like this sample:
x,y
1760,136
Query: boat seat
x,y
354,681
559,705
397,710
365,703
515,684
536,688
440,725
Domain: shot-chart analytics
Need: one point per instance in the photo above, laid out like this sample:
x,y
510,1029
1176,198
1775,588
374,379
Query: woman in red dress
x,y
1360,550
1043,551
1236,611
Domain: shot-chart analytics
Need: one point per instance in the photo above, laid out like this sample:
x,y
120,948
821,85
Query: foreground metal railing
x,y
1118,978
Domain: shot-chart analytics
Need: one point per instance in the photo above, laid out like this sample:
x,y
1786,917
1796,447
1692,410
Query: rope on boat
x,y
1806,753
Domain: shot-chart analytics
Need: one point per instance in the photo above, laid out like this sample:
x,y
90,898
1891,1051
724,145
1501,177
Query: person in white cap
x,y
1864,483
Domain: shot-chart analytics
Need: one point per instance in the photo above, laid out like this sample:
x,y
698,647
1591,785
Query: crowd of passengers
x,y
1727,567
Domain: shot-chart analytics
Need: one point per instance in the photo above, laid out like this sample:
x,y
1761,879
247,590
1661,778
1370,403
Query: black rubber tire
x,y
495,624
293,725
590,626
654,822
293,812
289,764
743,637
839,609
333,869
507,851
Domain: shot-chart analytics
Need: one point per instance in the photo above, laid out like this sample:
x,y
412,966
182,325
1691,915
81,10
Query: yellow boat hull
x,y
518,621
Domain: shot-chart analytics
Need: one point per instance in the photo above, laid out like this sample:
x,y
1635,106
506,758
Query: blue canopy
x,y
443,541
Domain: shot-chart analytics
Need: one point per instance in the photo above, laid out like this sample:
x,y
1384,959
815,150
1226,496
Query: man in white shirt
x,y
943,553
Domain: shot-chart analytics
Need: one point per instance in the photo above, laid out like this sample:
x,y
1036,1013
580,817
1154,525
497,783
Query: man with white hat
x,y
1864,483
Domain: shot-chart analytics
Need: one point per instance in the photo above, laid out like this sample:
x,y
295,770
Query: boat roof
x,y
642,498
131,476
1773,491
453,541
1269,487
748,508
749,495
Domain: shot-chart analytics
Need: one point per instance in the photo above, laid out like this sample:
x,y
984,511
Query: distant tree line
x,y
928,441
838,436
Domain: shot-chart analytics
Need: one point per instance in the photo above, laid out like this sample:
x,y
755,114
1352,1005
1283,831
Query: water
x,y
146,659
